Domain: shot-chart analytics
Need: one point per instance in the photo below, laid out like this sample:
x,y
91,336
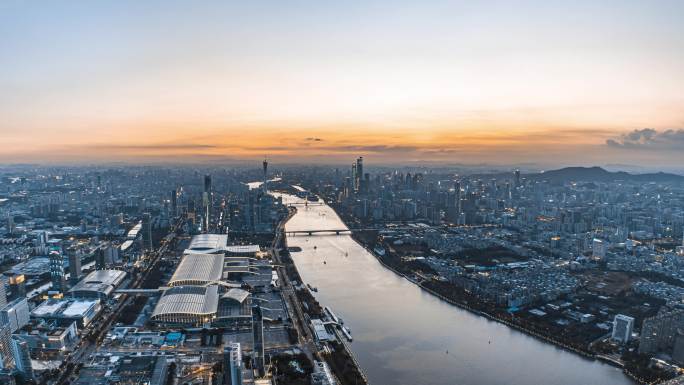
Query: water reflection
x,y
402,334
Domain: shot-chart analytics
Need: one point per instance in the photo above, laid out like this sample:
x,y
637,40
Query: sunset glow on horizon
x,y
457,82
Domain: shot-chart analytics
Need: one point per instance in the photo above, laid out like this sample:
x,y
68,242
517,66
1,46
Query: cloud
x,y
650,139
186,146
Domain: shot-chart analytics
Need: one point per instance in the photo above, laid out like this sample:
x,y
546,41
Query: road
x,y
107,317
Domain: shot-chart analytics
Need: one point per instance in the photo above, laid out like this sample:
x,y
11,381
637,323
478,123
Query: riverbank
x,y
339,356
516,326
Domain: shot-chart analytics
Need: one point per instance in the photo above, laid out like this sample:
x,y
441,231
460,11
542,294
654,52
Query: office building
x,y
3,292
22,359
174,202
15,314
658,333
258,358
75,270
6,357
57,273
598,249
232,364
622,328
147,231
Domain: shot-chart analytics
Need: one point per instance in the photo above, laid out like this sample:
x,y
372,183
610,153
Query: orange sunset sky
x,y
547,83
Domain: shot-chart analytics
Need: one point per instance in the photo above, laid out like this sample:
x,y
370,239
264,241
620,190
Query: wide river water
x,y
402,334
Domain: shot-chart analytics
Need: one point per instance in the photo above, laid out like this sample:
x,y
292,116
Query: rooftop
x,y
198,269
188,300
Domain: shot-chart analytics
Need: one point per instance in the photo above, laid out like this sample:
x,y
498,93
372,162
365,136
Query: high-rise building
x,y
622,328
359,175
598,249
258,340
6,357
147,231
517,178
658,333
207,184
3,292
57,273
232,364
10,224
22,359
75,270
15,314
174,202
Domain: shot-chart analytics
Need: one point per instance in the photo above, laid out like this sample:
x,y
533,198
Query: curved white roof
x,y
238,295
198,269
207,243
196,300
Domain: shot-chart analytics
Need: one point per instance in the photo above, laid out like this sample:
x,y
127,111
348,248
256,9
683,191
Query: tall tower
x,y
75,271
359,174
206,200
265,165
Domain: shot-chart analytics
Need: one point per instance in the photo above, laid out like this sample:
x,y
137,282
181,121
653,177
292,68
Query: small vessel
x,y
324,262
346,254
315,247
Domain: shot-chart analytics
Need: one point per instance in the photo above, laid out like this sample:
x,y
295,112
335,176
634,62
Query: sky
x,y
469,82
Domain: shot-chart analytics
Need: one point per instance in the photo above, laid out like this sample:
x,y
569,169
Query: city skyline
x,y
548,84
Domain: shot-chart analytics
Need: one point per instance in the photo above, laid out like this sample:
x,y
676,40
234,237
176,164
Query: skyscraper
x,y
6,357
359,174
622,328
57,273
258,339
174,202
3,293
147,231
207,184
75,271
232,364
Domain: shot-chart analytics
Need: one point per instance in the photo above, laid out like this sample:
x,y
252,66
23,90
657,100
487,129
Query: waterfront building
x,y
622,328
321,374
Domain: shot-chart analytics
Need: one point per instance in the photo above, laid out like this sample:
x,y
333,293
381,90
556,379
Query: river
x,y
402,334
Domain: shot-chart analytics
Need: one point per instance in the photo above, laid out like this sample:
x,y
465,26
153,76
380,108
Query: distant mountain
x,y
598,174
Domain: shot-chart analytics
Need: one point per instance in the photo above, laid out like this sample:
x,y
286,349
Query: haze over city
x,y
504,83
